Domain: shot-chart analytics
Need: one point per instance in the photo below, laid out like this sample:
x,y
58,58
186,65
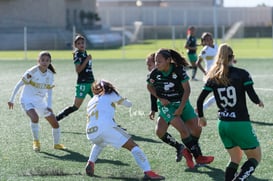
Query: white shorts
x,y
114,136
39,106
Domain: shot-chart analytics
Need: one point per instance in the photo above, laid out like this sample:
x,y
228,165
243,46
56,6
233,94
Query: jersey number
x,y
227,96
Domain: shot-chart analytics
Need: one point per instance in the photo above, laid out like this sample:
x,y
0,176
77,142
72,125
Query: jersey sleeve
x,y
183,74
248,83
15,90
27,77
76,58
115,98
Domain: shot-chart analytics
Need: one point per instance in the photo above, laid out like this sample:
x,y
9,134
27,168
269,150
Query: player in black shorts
x,y
229,86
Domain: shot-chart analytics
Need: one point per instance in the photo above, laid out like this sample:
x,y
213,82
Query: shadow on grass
x,y
217,174
70,132
125,178
72,156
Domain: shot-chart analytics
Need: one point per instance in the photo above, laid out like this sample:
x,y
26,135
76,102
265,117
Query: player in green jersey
x,y
169,83
83,67
229,86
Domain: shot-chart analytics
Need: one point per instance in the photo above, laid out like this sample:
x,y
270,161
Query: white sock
x,y
209,102
56,132
141,159
95,152
35,130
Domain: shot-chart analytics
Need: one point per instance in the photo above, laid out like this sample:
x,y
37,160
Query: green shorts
x,y
192,57
167,112
237,133
83,89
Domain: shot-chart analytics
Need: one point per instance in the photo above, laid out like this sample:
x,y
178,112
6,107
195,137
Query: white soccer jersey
x,y
101,127
208,54
37,83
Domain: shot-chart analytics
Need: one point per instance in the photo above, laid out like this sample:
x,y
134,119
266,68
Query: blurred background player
x,y
191,46
83,67
229,85
102,129
36,98
207,56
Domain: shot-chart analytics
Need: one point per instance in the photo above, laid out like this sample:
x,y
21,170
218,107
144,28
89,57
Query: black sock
x,y
192,146
167,138
247,169
196,141
231,169
66,112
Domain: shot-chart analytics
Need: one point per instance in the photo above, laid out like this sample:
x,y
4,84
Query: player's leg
x,y
56,131
161,132
235,154
94,154
34,124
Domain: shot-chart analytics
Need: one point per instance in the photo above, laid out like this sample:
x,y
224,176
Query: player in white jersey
x,y
207,55
102,129
36,98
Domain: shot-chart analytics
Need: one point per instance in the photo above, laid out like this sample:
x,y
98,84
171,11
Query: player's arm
x,y
154,109
14,92
199,65
80,67
200,101
253,96
185,97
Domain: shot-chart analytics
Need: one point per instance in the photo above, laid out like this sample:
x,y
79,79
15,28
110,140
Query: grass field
x,y
20,163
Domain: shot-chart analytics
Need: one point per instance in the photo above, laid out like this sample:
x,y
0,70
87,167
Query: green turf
x,y
244,48
20,163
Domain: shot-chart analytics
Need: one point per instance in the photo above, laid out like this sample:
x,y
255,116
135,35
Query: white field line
x,y
263,89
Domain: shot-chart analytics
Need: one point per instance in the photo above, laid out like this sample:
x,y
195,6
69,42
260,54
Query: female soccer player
x,y
36,98
83,67
102,129
229,85
191,47
207,55
167,137
169,83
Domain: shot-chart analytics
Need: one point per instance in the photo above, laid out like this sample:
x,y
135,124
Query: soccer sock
x,y
209,102
192,146
231,170
167,138
194,70
56,132
35,130
66,112
247,169
141,159
196,141
95,152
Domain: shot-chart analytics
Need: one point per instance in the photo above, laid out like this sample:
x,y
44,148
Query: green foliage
x,y
19,162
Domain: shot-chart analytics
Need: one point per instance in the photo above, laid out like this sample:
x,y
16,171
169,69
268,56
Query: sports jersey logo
x,y
168,86
174,75
158,77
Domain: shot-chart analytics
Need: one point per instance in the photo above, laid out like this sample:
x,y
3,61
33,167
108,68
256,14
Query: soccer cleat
x,y
59,147
204,159
89,168
151,175
187,154
36,145
179,153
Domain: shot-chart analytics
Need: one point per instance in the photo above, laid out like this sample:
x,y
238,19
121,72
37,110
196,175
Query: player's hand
x,y
164,102
202,122
152,115
10,104
89,57
261,104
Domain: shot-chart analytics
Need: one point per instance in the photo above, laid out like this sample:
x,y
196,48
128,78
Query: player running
x,y
229,85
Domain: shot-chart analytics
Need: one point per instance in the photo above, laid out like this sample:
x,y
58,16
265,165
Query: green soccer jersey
x,y
86,75
168,84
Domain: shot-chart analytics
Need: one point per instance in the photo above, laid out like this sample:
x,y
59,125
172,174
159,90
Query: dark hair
x,y
103,87
204,35
174,55
46,53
